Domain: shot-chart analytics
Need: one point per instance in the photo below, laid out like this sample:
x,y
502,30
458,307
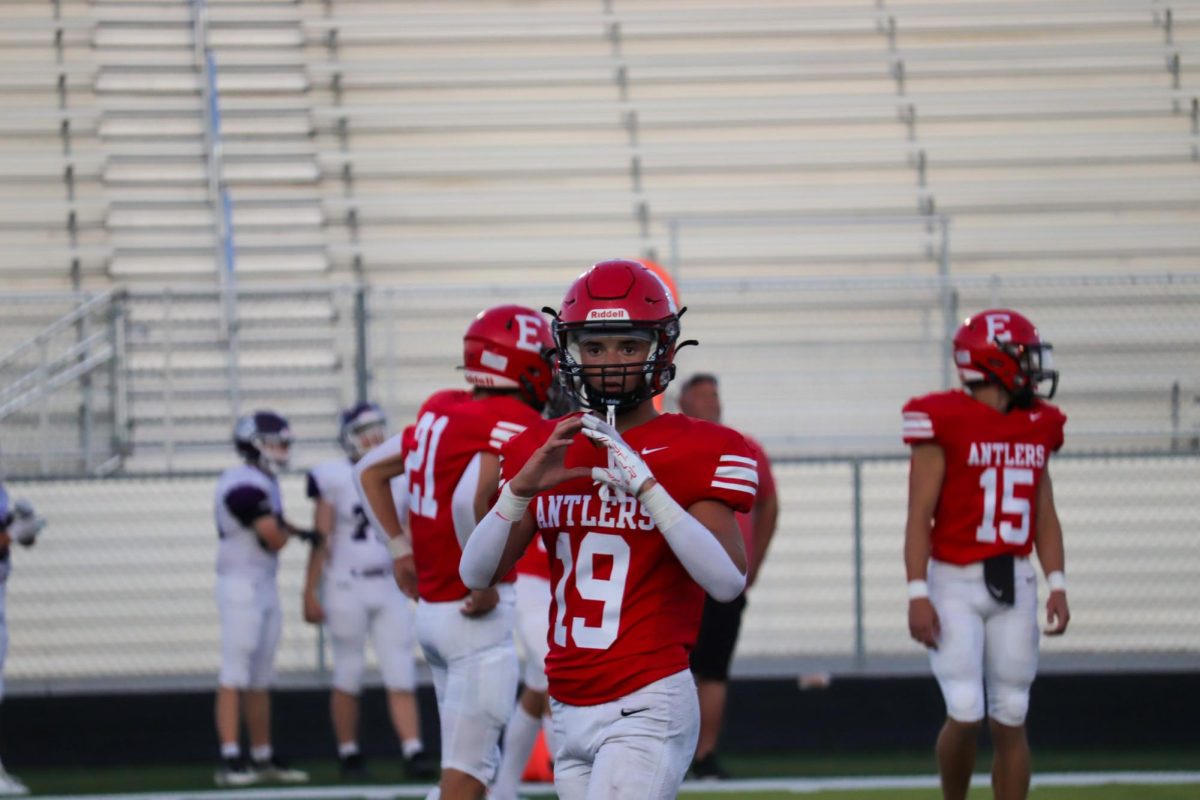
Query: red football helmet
x,y
615,297
508,347
1003,347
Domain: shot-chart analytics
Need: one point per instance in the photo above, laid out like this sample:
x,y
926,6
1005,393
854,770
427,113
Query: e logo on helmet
x,y
997,326
529,329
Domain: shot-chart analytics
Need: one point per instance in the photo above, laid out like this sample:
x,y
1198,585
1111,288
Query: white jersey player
x,y
18,523
252,531
360,599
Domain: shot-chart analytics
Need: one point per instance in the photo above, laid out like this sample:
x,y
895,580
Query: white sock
x,y
411,747
347,749
230,750
261,753
519,736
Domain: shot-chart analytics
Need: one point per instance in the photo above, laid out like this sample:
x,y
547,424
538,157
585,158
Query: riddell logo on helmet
x,y
607,313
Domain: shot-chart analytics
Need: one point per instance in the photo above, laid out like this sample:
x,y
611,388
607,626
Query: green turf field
x,y
192,777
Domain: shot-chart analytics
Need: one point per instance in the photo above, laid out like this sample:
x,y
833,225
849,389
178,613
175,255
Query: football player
x,y
700,397
252,531
354,568
980,500
637,512
18,523
452,465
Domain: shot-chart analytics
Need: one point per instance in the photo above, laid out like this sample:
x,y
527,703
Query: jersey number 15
x,y
1010,504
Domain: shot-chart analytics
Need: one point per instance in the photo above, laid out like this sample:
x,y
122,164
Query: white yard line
x,y
793,785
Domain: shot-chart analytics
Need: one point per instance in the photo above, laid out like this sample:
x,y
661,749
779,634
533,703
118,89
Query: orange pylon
x,y
540,767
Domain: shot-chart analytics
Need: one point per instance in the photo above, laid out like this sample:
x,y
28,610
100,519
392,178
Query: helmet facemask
x,y
651,376
1035,365
360,439
275,453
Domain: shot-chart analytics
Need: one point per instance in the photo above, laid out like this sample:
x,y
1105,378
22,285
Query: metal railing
x,y
66,388
218,192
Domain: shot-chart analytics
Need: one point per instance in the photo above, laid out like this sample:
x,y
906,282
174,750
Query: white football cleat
x,y
10,785
275,769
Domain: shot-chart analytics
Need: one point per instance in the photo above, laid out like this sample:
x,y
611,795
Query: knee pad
x,y
392,632
1008,704
235,671
349,664
398,670
262,669
964,700
262,661
236,660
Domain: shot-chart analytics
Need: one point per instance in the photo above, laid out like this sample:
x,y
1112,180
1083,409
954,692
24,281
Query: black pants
x,y
719,629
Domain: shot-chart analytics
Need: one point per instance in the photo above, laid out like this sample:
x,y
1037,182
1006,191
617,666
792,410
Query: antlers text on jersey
x,y
1006,454
554,511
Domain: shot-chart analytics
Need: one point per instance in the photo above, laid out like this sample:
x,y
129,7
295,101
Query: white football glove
x,y
26,524
626,473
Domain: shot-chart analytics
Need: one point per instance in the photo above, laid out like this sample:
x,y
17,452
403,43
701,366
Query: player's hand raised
x,y
545,469
923,623
1057,614
627,474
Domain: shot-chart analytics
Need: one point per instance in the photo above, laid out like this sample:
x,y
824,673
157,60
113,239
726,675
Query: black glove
x,y
306,535
25,524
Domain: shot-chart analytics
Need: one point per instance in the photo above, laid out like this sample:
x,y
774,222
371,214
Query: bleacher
x,y
419,142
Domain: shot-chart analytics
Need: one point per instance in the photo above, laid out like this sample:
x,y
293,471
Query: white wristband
x,y
917,590
509,506
1057,581
661,507
399,547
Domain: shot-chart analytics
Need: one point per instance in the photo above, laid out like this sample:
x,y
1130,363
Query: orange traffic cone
x,y
540,767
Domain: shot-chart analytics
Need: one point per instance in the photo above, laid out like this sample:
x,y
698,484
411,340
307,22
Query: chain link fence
x,y
118,593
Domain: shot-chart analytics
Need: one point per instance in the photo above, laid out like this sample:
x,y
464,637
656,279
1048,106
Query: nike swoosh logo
x,y
629,712
648,450
1035,417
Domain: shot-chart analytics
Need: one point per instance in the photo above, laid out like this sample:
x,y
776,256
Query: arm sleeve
x,y
483,550
248,504
695,546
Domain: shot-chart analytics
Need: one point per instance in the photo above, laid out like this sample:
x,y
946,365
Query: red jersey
x,y
452,429
994,465
766,490
625,613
